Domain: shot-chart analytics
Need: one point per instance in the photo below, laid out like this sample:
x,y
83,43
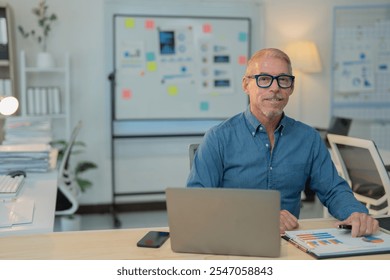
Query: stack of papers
x,y
27,157
27,130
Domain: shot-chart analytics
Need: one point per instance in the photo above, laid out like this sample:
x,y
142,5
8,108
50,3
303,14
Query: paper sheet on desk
x,y
19,211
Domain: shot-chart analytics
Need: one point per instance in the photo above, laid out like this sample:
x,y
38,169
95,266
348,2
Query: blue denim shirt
x,y
237,154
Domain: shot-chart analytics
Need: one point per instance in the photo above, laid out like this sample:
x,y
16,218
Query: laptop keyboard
x,y
10,185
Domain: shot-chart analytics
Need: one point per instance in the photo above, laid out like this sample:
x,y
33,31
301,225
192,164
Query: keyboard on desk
x,y
10,186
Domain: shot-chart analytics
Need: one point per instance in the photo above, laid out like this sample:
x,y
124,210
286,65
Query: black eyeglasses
x,y
265,80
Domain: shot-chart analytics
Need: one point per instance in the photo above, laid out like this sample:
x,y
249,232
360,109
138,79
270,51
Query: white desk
x,y
121,245
42,188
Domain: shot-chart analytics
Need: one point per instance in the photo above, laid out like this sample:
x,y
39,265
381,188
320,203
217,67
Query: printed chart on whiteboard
x,y
171,67
361,62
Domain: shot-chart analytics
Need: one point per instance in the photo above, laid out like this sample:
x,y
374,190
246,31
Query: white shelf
x,y
36,79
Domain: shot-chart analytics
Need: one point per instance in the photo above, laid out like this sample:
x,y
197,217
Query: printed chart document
x,y
333,243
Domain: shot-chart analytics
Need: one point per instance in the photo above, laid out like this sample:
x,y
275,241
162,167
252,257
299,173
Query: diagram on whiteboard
x,y
179,68
356,73
361,62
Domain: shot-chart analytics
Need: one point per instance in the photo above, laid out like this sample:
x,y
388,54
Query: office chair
x,y
360,164
192,150
337,125
68,189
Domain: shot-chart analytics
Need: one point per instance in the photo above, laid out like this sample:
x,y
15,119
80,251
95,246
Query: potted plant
x,y
44,58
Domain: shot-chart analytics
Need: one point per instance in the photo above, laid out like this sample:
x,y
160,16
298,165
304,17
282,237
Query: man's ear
x,y
244,84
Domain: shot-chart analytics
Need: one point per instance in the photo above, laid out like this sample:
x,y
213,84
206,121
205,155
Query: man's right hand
x,y
287,221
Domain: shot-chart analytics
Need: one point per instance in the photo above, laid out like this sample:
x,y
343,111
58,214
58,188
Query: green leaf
x,y
83,184
84,166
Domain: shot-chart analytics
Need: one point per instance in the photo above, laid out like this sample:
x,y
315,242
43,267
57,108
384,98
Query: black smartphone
x,y
153,239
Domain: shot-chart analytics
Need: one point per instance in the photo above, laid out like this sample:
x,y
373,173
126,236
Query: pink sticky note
x,y
242,59
149,24
126,94
207,28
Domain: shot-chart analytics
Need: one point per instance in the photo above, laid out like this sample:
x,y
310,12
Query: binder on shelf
x,y
56,101
7,87
30,101
37,101
50,104
43,94
43,101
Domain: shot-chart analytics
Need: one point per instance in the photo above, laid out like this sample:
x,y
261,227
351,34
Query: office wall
x,y
80,30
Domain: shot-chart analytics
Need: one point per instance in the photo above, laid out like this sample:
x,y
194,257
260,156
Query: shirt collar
x,y
254,122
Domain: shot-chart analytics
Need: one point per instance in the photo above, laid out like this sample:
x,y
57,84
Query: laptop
x,y
243,222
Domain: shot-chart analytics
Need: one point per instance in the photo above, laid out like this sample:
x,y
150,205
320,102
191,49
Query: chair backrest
x,y
192,150
360,164
339,126
68,190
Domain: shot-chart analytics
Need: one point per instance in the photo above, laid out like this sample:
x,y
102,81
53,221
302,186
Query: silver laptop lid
x,y
224,221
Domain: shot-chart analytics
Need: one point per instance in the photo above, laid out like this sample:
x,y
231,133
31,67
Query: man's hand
x,y
362,224
287,221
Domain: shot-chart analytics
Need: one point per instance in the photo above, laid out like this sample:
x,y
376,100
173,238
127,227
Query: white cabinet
x,y
45,92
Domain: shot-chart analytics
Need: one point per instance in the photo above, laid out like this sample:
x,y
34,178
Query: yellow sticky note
x,y
129,23
151,66
172,90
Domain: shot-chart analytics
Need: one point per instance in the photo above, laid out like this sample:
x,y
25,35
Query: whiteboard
x,y
176,67
361,62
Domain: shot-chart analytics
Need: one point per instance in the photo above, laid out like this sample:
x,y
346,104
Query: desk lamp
x,y
8,105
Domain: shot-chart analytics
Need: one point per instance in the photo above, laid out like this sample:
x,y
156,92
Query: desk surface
x,y
121,244
42,189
